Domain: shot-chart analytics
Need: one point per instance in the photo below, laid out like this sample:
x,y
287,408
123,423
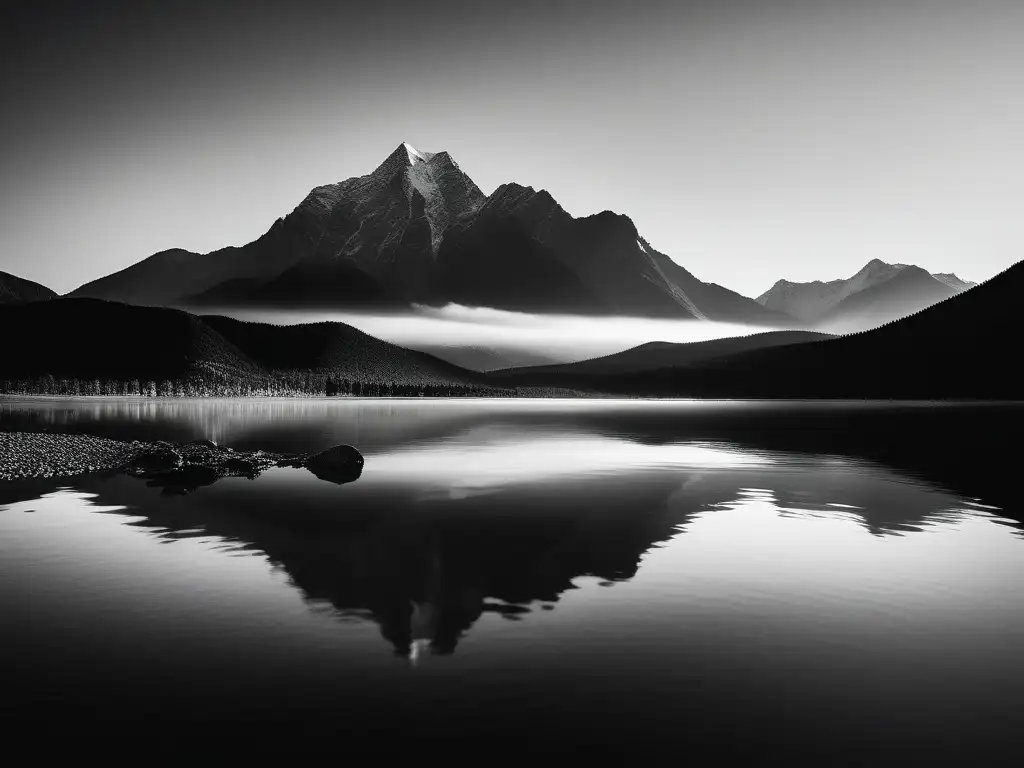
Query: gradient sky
x,y
750,140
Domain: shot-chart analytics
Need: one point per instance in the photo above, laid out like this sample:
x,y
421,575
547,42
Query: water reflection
x,y
825,580
504,521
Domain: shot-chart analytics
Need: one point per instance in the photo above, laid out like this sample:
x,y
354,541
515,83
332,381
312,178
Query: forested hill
x,y
91,346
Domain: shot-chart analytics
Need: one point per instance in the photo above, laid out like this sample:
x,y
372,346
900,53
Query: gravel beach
x,y
42,454
32,454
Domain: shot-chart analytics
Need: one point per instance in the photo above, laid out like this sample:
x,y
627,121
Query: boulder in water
x,y
340,464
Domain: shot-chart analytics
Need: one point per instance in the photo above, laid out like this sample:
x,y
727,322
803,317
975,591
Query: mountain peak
x,y
414,155
876,265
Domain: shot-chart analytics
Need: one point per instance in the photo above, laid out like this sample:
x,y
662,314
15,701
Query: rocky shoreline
x,y
185,465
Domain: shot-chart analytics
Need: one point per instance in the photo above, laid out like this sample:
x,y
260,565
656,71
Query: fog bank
x,y
487,339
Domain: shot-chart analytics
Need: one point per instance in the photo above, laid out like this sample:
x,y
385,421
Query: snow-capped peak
x,y
415,156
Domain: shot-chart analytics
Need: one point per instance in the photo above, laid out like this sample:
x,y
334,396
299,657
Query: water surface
x,y
810,581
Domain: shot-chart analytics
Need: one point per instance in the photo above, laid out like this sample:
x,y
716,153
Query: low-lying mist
x,y
488,339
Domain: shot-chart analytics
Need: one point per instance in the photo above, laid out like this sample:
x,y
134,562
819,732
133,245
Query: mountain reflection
x,y
500,520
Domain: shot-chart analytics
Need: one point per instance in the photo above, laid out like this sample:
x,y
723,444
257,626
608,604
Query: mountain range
x,y
962,347
877,294
419,230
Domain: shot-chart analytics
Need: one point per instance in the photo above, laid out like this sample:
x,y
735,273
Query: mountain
x,y
832,305
953,281
906,292
963,347
418,229
89,339
17,290
653,356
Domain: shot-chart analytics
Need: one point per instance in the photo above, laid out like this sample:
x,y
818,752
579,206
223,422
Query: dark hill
x,y
94,339
647,357
339,349
18,290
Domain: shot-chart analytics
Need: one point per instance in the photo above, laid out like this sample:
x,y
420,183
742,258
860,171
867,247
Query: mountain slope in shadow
x,y
18,290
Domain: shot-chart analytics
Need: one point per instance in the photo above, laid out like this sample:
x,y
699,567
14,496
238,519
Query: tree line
x,y
285,385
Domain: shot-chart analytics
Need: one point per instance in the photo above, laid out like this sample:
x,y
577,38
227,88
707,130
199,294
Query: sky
x,y
751,140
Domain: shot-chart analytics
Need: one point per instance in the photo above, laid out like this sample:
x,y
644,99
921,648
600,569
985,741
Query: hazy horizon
x,y
750,141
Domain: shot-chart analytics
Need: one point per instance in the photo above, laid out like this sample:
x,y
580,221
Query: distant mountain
x,y
17,290
906,292
418,229
653,356
953,281
90,339
861,301
833,305
963,347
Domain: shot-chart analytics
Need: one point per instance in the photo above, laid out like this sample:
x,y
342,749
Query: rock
x,y
340,464
157,457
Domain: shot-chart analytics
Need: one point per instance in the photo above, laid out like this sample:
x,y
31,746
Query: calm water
x,y
821,582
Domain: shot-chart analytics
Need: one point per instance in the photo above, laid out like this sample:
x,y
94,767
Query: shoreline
x,y
25,455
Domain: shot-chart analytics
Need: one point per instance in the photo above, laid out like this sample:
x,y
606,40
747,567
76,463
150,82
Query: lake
x,y
819,582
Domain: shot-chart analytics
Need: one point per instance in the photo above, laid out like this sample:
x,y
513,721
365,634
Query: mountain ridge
x,y
960,347
418,229
832,306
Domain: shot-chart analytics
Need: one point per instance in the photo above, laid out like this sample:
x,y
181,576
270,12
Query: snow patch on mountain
x,y
415,156
954,282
